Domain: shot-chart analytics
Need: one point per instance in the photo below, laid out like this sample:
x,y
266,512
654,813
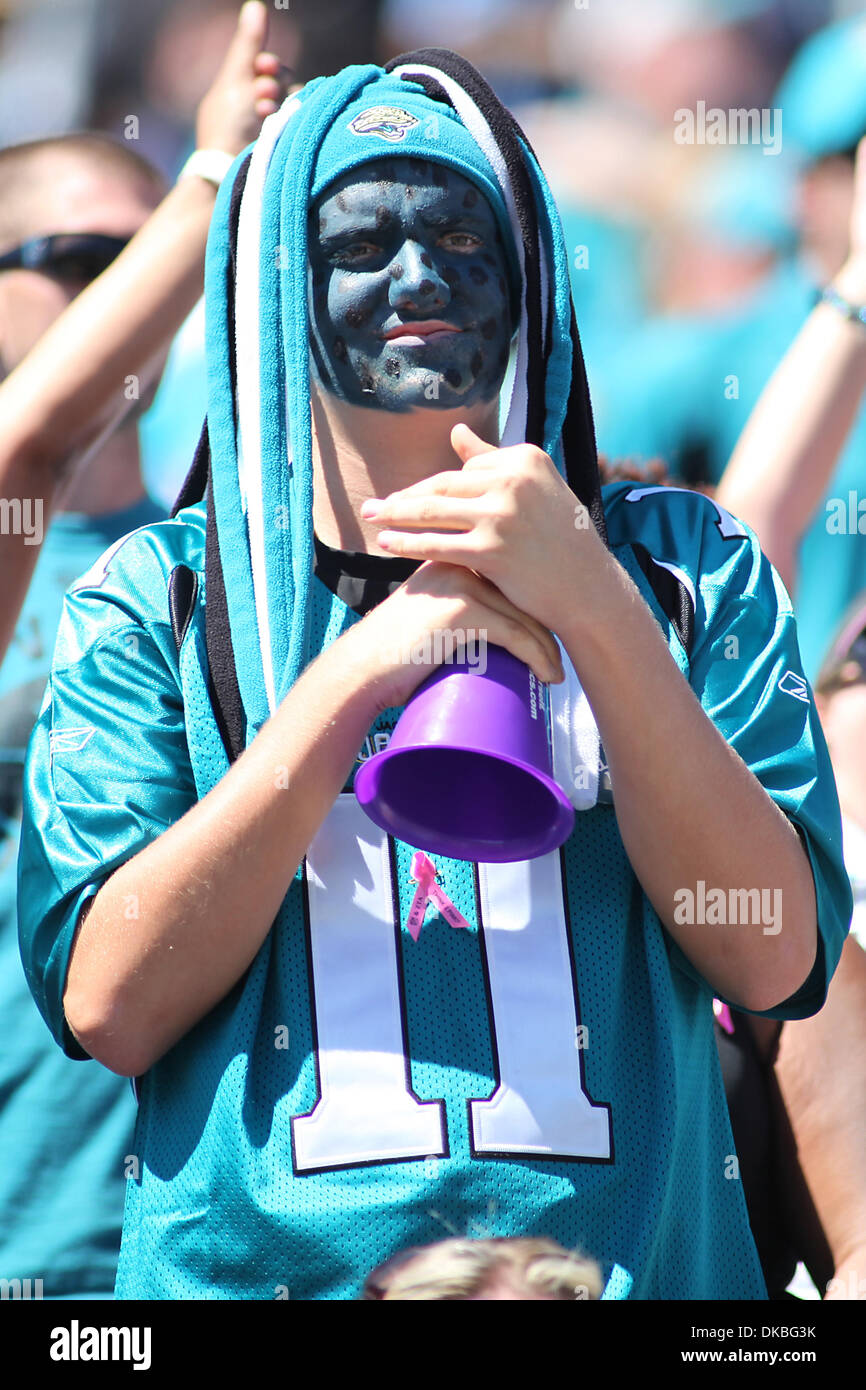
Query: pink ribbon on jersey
x,y
423,872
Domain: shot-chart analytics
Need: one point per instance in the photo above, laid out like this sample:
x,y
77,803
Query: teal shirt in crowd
x,y
65,1129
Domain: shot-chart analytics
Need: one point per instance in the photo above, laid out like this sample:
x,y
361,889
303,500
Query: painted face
x,y
409,303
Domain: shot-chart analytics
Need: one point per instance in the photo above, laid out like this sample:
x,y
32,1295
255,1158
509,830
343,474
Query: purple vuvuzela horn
x,y
468,772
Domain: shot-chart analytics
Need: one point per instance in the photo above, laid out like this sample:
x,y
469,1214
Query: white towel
x,y
575,742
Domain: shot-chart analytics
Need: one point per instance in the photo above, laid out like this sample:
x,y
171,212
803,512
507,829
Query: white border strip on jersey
x,y
679,574
728,524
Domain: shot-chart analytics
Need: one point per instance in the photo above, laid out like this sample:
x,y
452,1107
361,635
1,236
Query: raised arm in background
x,y
785,457
67,395
823,1093
778,473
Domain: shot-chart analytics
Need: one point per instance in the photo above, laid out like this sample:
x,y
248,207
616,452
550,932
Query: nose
x,y
416,284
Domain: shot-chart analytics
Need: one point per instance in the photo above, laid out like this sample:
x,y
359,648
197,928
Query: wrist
x,y
208,165
585,629
364,682
343,682
850,282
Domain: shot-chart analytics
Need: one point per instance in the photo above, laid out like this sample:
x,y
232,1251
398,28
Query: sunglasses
x,y
856,655
70,255
847,654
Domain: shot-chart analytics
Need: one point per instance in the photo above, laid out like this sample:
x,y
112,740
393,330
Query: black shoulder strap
x,y
182,595
183,589
225,691
673,597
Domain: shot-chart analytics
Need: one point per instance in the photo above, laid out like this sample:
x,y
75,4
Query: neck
x,y
110,481
360,453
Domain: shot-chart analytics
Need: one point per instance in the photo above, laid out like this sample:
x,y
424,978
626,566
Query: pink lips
x,y
419,333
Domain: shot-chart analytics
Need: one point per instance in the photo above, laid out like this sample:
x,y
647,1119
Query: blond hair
x,y
458,1269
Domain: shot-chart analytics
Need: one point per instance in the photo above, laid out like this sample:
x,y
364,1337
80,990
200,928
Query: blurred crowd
x,y
694,261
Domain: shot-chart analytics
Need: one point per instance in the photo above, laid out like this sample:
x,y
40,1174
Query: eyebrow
x,y
446,219
365,228
367,225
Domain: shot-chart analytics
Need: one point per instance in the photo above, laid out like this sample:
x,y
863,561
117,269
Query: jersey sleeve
x,y
732,631
746,670
107,771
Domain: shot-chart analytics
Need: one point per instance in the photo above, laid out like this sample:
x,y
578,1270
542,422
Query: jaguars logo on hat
x,y
388,122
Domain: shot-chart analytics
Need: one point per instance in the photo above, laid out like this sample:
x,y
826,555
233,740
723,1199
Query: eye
x,y
355,252
460,241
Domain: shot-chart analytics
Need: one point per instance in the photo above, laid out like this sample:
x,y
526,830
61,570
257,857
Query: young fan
x,y
206,907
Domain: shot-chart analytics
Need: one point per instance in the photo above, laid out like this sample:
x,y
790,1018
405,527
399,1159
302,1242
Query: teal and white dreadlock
x,y
260,483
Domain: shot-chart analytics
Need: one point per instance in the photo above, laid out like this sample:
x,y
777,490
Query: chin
x,y
430,392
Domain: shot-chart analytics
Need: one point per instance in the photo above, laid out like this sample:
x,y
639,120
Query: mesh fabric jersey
x,y
551,1070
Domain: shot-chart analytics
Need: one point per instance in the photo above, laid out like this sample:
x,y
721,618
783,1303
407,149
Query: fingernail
x,y
371,508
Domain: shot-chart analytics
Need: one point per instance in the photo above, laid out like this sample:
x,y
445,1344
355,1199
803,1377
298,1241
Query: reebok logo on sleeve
x,y
70,740
792,684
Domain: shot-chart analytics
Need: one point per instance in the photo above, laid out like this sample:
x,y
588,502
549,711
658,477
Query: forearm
x,y
206,892
820,1068
688,808
73,388
785,457
22,485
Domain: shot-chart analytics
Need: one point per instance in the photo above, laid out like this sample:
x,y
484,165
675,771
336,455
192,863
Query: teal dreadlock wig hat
x,y
255,460
400,120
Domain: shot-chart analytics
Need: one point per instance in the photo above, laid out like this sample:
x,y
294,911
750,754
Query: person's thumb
x,y
468,445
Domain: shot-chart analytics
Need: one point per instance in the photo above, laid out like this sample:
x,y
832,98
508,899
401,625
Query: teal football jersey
x,y
548,1068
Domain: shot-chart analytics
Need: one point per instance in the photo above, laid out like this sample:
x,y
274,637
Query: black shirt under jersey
x,y
360,580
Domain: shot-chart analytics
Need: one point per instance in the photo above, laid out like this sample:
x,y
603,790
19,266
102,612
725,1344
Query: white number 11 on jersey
x,y
367,1111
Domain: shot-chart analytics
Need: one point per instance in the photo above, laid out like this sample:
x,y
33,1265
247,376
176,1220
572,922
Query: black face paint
x,y
403,315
